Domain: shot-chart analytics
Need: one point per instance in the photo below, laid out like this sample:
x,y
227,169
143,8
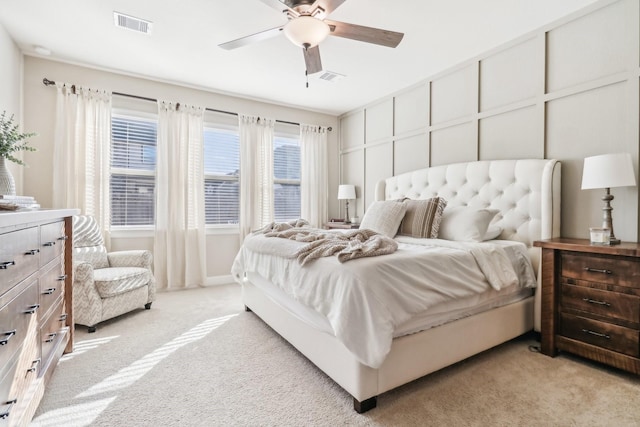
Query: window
x,y
133,164
221,174
286,182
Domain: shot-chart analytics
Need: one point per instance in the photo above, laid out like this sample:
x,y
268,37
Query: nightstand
x,y
351,226
591,301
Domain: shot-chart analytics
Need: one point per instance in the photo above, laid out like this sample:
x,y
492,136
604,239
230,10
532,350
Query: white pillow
x,y
384,217
465,223
492,232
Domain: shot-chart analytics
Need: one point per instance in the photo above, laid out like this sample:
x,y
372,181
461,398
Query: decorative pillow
x,y
467,224
423,217
384,217
492,232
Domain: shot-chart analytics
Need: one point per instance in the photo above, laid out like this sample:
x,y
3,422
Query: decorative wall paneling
x,y
568,90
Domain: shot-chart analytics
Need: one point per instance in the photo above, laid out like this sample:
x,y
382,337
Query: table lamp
x,y
347,192
608,171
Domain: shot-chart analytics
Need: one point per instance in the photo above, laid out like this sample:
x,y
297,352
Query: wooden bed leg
x,y
247,308
365,405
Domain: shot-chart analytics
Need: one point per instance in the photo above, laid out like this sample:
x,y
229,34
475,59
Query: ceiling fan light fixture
x,y
306,31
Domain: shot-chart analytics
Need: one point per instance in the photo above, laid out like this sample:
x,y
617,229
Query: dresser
x,y
36,319
590,301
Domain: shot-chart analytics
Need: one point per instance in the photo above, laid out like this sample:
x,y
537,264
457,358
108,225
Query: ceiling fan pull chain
x,y
306,75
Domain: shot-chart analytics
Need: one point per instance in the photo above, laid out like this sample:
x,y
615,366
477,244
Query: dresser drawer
x,y
53,330
602,334
17,317
8,395
51,285
608,304
52,240
601,269
19,253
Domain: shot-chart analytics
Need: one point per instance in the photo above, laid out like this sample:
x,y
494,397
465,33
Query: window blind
x,y
286,183
222,171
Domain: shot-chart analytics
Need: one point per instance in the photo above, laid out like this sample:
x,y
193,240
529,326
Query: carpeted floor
x,y
197,359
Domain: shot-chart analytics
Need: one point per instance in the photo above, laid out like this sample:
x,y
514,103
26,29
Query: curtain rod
x,y
48,82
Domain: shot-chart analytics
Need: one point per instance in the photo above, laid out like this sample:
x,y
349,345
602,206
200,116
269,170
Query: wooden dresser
x,y
591,301
36,319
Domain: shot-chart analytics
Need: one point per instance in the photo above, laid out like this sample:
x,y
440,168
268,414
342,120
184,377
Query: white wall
x,y
39,112
566,91
10,90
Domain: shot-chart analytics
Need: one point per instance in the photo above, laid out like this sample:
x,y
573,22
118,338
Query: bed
x,y
526,195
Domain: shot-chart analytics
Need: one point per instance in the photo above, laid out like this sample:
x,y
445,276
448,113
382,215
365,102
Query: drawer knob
x,y
32,309
49,244
5,265
7,337
32,252
34,365
62,278
52,336
597,334
48,291
598,270
6,413
63,317
593,301
63,237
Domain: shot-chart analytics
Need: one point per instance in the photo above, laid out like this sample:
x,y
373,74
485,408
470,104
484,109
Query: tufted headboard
x,y
527,193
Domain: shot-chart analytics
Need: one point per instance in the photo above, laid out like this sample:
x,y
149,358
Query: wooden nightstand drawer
x,y
609,305
602,334
601,268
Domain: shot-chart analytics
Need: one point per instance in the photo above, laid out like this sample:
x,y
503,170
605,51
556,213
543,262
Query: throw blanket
x,y
353,244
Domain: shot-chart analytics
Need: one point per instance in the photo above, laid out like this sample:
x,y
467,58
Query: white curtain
x,y
256,173
82,153
179,245
314,180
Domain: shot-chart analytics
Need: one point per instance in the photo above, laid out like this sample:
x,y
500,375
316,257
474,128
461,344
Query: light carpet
x,y
198,359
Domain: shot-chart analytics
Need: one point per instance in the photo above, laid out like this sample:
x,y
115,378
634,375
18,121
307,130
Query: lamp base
x,y
614,241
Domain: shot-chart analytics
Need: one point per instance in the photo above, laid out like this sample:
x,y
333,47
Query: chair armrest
x,y
137,258
82,272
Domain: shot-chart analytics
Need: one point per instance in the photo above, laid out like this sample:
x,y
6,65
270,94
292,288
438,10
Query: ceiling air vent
x,y
330,76
131,23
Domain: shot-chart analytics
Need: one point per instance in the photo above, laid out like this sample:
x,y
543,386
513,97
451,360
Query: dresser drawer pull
x,y
5,414
48,291
597,334
63,238
7,337
62,278
598,270
4,265
49,244
63,317
52,336
32,309
592,301
34,365
32,252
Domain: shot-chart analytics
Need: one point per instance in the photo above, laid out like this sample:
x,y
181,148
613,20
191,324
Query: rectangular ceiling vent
x,y
330,76
131,23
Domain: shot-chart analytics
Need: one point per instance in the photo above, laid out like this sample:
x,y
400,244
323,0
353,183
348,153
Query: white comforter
x,y
364,300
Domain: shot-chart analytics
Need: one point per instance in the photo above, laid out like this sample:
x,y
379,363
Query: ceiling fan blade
x,y
327,6
312,60
364,34
243,41
279,6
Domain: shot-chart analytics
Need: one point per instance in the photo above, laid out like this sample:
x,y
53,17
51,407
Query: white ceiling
x,y
183,47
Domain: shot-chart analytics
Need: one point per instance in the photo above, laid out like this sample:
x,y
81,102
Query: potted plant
x,y
11,142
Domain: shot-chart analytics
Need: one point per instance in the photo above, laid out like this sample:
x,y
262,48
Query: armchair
x,y
106,285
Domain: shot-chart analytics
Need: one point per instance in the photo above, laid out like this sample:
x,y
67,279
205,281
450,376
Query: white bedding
x,y
366,300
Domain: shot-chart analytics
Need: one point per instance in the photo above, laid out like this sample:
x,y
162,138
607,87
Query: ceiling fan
x,y
307,27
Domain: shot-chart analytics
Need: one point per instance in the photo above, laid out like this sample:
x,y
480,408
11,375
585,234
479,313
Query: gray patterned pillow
x,y
423,217
384,217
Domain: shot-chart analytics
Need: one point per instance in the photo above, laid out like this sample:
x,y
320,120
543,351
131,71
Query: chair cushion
x,y
117,280
94,255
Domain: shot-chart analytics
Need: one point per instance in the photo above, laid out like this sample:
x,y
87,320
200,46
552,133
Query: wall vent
x,y
131,23
330,76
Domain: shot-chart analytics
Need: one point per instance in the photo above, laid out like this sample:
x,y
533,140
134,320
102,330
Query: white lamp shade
x,y
608,171
346,192
306,31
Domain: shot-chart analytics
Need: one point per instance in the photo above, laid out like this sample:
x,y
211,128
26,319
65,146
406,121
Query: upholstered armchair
x,y
106,285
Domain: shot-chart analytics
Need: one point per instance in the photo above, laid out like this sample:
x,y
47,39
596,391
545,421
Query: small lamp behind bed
x,y
608,171
347,192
